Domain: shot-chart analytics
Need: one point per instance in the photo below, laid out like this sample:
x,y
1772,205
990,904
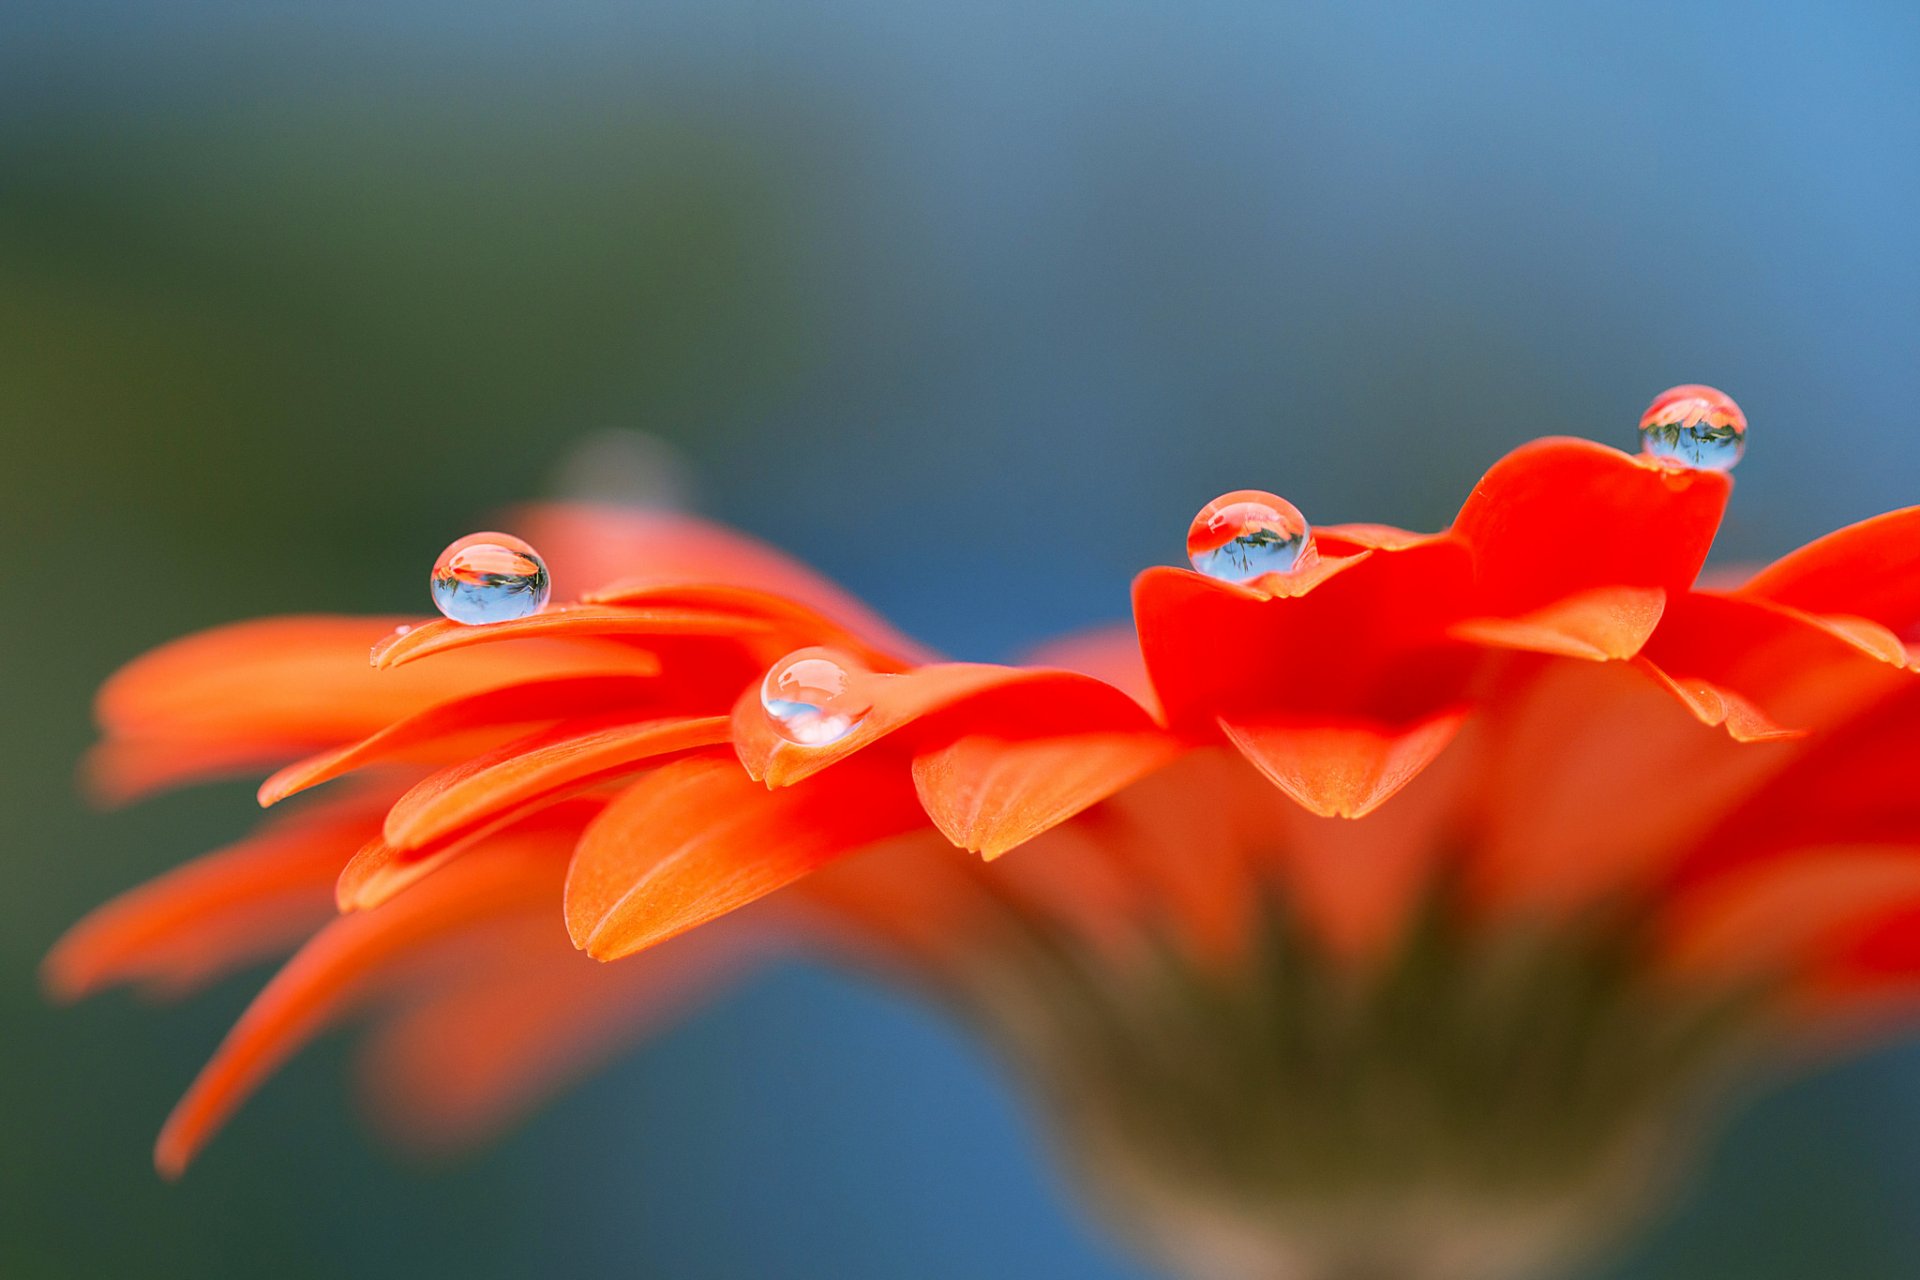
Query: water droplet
x,y
1694,426
1241,535
490,577
812,697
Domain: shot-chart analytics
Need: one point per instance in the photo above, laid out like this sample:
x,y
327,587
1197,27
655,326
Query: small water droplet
x,y
490,577
1694,426
812,697
1241,535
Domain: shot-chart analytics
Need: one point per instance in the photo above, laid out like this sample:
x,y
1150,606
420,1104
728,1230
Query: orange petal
x,y
1369,644
565,757
596,545
1850,785
298,679
1348,538
452,722
1757,666
1712,705
907,899
798,625
1559,516
569,622
121,770
1342,770
219,912
1771,917
988,795
1870,570
1606,623
1011,702
378,870
521,1015
697,839
1110,654
340,964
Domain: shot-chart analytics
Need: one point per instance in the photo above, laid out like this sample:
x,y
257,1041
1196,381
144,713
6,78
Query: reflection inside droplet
x,y
1241,535
812,697
489,577
1694,426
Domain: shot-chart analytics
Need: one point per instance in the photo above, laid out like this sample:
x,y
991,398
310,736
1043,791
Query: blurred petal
x,y
594,547
210,916
1110,654
341,964
799,625
302,679
520,1015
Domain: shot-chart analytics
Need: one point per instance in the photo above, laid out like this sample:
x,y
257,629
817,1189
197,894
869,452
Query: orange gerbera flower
x,y
1616,833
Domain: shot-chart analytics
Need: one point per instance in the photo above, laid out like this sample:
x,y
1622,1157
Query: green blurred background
x,y
290,296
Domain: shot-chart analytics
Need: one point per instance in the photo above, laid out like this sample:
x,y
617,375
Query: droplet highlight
x,y
490,577
1694,426
812,697
1245,534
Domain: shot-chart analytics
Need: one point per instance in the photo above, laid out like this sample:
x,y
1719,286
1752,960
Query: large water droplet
x,y
1241,535
812,697
490,577
1694,426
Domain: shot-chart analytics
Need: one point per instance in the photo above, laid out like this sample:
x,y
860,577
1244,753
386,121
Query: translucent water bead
x,y
1241,535
1694,426
490,577
812,697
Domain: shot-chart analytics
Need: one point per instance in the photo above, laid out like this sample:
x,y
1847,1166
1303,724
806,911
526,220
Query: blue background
x,y
972,306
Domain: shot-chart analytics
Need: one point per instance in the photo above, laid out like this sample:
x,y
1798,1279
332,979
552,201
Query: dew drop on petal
x,y
1694,426
1241,535
490,577
812,697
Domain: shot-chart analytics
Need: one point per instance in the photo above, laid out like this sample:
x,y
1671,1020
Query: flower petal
x,y
210,916
1342,770
799,625
1011,702
300,679
342,963
697,839
442,727
1869,570
988,795
567,756
118,771
573,623
1560,516
594,546
1110,654
1713,705
521,1014
1604,624
1762,669
1768,918
1369,644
